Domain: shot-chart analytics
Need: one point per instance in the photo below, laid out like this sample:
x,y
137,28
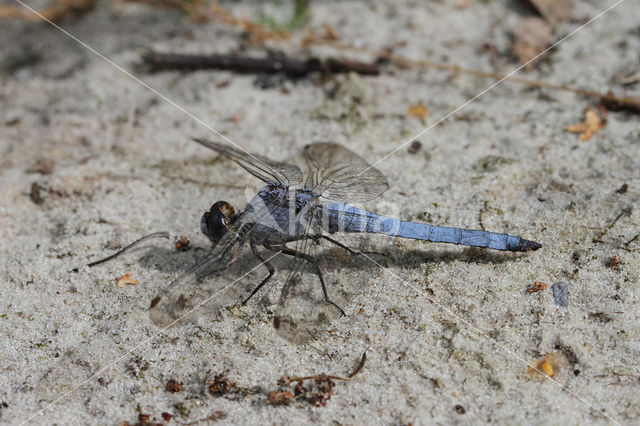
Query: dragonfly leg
x,y
324,288
266,263
344,247
291,252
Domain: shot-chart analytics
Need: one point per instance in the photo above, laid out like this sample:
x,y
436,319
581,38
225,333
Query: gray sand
x,y
448,343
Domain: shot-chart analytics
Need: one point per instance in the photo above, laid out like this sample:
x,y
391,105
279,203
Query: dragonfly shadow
x,y
166,259
468,254
295,289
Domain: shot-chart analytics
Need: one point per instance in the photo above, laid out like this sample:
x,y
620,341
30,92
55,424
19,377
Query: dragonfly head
x,y
216,221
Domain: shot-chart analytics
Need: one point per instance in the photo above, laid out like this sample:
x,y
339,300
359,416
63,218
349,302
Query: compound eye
x,y
204,221
215,222
225,208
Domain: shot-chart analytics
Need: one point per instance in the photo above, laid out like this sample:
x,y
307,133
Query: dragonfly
x,y
298,215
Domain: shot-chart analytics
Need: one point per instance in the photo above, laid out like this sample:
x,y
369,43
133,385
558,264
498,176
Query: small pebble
x,y
561,293
414,147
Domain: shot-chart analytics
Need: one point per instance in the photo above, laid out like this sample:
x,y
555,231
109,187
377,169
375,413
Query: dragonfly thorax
x,y
217,220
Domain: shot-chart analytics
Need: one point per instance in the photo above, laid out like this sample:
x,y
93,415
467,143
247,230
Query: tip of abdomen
x,y
527,245
520,244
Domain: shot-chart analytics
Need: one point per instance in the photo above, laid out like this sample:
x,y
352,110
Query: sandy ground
x,y
448,331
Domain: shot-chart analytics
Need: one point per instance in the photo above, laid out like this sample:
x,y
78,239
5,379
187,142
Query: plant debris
x,y
330,32
316,394
554,11
126,280
613,262
531,37
220,385
592,123
273,63
536,287
60,10
418,110
129,247
143,420
258,33
548,366
173,386
182,243
280,397
623,189
629,104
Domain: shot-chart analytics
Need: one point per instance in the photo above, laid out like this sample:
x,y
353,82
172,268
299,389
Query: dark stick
x,y
268,65
130,246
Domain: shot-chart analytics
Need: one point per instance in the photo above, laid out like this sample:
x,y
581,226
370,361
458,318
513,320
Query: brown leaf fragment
x,y
324,391
284,381
182,243
537,286
299,389
418,111
548,366
280,397
126,280
173,386
220,385
613,262
554,10
591,124
531,37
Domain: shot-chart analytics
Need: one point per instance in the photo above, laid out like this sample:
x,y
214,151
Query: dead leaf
x,y
549,366
418,111
126,280
537,286
531,37
554,10
591,124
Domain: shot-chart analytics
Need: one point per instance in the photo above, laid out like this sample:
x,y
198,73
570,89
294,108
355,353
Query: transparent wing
x,y
261,167
339,174
202,289
302,312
